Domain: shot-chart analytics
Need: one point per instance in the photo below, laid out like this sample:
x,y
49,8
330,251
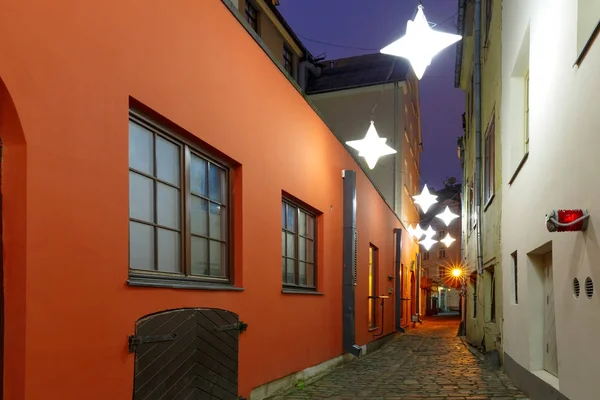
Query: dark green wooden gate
x,y
186,354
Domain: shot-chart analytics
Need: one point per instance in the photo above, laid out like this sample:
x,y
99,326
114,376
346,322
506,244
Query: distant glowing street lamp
x,y
456,272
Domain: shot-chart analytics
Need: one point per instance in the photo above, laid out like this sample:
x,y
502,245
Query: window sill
x,y
138,281
301,291
373,329
514,175
487,203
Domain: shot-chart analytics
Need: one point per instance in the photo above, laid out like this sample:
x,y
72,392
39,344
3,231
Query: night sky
x,y
365,26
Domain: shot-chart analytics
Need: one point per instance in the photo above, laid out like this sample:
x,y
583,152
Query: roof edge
x,y
462,4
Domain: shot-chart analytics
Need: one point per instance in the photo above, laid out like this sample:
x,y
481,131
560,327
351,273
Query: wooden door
x,y
186,354
413,295
550,351
405,298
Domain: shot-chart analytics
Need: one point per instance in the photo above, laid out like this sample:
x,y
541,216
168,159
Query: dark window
x,y
252,16
515,277
474,297
492,295
442,234
373,258
488,19
298,233
472,207
425,255
178,208
490,161
527,112
288,58
442,253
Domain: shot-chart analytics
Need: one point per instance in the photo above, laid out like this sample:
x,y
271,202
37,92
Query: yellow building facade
x,y
481,215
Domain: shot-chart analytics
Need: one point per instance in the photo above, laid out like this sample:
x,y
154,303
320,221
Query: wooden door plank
x,y
201,363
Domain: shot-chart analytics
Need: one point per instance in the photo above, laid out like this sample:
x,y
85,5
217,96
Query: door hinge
x,y
238,326
135,341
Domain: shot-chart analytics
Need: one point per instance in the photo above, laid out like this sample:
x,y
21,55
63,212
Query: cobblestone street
x,y
429,362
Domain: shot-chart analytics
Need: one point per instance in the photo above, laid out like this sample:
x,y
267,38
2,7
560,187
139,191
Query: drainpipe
x,y
399,174
419,288
459,53
303,69
477,101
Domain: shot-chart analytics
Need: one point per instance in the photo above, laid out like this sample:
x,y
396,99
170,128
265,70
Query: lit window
x,y
178,208
372,287
298,234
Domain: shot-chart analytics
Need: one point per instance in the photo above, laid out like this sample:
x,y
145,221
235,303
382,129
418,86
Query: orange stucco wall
x,y
70,68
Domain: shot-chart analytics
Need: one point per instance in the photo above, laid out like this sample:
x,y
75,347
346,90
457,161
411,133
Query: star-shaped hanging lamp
x,y
447,216
427,242
420,43
371,147
429,232
448,240
425,199
416,232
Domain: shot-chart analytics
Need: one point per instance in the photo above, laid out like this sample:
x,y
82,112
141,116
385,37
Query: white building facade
x,y
550,145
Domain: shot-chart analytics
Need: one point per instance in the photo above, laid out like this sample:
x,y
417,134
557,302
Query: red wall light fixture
x,y
574,220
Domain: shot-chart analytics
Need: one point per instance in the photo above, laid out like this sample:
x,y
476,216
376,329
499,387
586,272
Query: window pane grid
x,y
161,249
251,16
168,171
287,59
298,246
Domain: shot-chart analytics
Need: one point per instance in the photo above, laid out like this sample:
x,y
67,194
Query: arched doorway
x,y
186,353
13,243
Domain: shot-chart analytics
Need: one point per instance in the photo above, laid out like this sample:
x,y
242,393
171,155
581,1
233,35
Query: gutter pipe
x,y
478,166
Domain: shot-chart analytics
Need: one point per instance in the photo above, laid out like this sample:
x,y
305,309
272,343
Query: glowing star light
x,y
427,242
448,240
447,216
425,199
416,232
429,232
371,147
420,43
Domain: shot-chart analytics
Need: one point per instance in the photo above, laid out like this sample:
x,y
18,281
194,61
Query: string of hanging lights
x,y
419,45
425,200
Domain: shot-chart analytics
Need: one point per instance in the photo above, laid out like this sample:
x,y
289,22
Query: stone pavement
x,y
428,362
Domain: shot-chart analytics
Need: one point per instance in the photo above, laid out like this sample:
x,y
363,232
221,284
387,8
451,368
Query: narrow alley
x,y
429,362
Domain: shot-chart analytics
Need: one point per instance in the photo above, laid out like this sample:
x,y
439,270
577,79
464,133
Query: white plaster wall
x,y
560,172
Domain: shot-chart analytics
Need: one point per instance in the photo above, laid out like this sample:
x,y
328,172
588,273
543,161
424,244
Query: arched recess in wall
x,y
12,248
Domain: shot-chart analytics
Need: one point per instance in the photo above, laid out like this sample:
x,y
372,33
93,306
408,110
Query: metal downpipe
x,y
478,133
